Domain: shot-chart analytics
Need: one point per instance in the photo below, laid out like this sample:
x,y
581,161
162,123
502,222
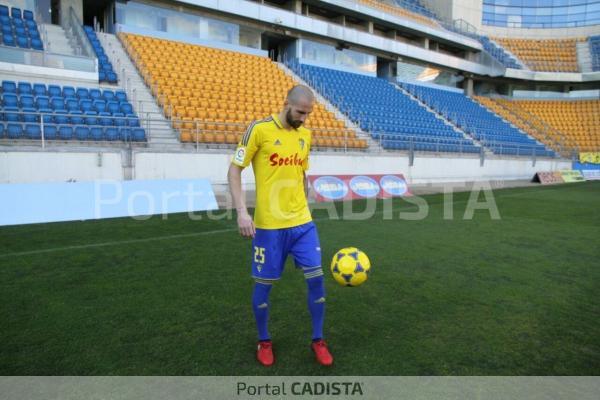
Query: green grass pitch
x,y
516,296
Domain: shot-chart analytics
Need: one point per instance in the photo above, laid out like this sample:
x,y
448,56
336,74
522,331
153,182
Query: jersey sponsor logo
x,y
240,155
278,161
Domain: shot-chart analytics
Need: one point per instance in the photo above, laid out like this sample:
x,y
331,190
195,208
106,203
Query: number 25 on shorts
x,y
259,255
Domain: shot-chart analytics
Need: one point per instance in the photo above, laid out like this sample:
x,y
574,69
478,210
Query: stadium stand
x,y
67,113
417,7
483,125
211,95
105,68
400,12
19,29
389,115
594,42
498,53
552,55
578,120
530,124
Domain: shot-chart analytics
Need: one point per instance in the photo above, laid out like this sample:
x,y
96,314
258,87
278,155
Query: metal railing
x,y
75,27
44,59
564,146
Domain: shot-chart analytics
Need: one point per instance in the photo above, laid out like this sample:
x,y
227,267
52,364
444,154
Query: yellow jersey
x,y
279,158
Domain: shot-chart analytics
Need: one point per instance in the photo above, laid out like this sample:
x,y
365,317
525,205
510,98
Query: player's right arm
x,y
244,220
243,156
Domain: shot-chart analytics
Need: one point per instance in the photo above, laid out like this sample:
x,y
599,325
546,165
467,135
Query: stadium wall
x,y
39,166
54,166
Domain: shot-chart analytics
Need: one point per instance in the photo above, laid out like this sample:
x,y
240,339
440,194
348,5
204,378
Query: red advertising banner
x,y
348,187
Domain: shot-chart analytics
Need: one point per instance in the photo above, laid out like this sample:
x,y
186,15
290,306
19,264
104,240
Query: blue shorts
x,y
271,247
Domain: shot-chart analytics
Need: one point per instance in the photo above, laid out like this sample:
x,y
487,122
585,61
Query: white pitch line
x,y
204,233
120,242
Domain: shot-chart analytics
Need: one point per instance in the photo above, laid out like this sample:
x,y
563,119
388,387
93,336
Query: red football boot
x,y
322,354
264,353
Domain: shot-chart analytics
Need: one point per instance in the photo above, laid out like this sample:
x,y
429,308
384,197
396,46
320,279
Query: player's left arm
x,y
305,185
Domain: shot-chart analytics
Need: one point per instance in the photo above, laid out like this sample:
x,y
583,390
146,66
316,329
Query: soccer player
x,y
278,148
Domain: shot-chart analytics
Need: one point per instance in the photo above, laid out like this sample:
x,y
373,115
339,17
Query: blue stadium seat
x,y
119,119
95,94
1,130
83,93
27,101
108,95
50,132
96,133
113,107
76,117
54,91
111,134
384,111
37,44
105,70
9,40
72,104
82,132
20,31
477,121
33,131
63,112
39,89
68,91
100,106
12,114
105,118
61,117
30,115
3,10
86,105
28,15
138,134
10,100
24,88
91,118
9,87
15,12
57,103
43,103
65,132
14,131
133,121
126,108
23,42
125,134
121,96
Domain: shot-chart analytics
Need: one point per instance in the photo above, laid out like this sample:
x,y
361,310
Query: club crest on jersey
x,y
277,142
240,155
301,141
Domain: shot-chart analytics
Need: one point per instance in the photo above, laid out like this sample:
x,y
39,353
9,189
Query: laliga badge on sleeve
x,y
240,155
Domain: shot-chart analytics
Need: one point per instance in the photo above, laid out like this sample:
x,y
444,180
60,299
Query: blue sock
x,y
316,301
260,306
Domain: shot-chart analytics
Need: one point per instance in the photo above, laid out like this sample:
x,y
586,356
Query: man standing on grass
x,y
278,148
